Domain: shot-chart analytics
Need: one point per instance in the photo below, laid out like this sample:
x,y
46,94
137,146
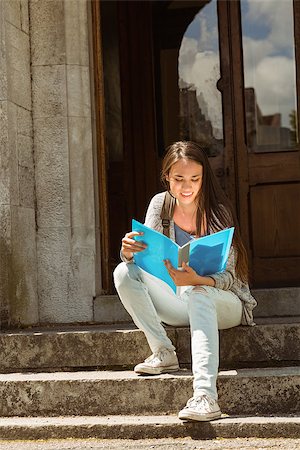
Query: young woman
x,y
208,303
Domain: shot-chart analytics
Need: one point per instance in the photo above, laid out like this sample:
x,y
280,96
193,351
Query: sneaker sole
x,y
156,370
196,417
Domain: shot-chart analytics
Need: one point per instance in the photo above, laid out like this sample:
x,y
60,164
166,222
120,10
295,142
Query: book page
x,y
160,247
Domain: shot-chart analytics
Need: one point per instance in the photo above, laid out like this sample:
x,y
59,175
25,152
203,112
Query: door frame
x,y
99,143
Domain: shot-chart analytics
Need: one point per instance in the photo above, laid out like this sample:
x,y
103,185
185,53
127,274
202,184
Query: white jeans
x,y
206,309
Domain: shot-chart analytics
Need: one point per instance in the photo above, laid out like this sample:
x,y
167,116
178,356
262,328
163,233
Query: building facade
x,y
91,92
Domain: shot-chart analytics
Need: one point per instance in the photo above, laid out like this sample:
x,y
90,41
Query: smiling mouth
x,y
186,195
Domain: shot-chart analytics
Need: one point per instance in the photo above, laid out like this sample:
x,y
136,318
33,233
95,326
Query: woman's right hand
x,y
130,245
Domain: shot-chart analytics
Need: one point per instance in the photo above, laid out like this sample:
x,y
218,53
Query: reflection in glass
x,y
200,101
269,74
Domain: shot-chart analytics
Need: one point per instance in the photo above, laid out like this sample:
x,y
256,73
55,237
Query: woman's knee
x,y
200,296
120,274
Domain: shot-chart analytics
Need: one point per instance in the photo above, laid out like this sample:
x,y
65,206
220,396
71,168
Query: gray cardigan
x,y
226,280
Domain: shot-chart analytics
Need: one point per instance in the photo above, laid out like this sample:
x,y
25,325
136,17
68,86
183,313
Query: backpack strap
x,y
167,213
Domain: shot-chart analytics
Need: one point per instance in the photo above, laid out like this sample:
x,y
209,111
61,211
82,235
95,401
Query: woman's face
x,y
185,178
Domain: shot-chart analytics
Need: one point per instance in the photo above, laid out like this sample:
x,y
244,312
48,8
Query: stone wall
x,y
48,254
64,159
18,261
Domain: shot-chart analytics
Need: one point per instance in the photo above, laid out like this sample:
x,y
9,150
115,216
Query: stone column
x,y
18,263
63,160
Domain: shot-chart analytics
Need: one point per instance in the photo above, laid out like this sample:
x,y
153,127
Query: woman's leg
x,y
149,301
209,309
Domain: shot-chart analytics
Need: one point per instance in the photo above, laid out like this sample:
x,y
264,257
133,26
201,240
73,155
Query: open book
x,y
206,255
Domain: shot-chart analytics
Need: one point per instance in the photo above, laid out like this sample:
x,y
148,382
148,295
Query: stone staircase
x,y
76,381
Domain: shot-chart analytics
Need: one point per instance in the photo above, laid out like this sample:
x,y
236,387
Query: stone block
x,y
26,187
24,16
82,284
277,302
5,258
24,120
25,151
60,290
3,69
13,12
109,309
83,240
13,153
49,91
52,172
9,182
78,91
76,26
273,392
18,66
5,158
53,255
47,20
23,268
81,172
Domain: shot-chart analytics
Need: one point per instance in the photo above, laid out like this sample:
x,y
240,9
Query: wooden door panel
x,y
268,170
273,167
274,272
275,216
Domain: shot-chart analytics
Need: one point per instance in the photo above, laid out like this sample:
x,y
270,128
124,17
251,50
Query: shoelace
x,y
204,402
156,356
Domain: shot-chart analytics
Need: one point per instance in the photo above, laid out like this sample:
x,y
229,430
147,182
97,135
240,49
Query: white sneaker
x,y
163,361
201,408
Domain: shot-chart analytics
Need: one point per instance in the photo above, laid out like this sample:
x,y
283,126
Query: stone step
x,y
279,302
146,427
272,391
123,346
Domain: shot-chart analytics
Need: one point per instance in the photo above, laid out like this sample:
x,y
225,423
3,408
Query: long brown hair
x,y
213,207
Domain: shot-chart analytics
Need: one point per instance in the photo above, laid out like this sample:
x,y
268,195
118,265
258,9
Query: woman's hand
x,y
130,245
186,276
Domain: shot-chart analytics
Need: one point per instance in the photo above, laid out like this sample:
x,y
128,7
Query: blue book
x,y
206,255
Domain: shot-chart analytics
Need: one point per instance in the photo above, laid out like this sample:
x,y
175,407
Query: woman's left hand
x,y
186,276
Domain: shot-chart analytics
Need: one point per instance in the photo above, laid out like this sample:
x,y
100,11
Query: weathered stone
x,y
49,91
26,187
273,391
52,172
242,346
124,346
13,154
53,254
81,172
5,258
25,151
18,66
78,88
108,309
13,12
277,302
5,157
3,64
76,26
23,268
60,274
24,120
24,16
82,283
47,23
129,432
